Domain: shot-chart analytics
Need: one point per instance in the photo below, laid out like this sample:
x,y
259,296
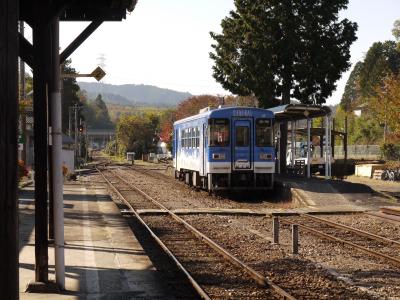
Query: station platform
x,y
103,259
333,195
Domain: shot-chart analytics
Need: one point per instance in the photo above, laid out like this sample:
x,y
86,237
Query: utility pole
x,y
69,121
76,132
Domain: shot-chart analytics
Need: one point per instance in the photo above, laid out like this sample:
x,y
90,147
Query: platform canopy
x,y
294,112
86,10
318,131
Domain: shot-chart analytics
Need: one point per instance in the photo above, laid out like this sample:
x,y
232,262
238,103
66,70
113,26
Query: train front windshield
x,y
263,133
219,132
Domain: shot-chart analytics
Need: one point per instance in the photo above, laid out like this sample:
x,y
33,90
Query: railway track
x,y
372,244
212,271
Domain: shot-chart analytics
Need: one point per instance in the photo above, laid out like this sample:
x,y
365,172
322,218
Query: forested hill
x,y
132,94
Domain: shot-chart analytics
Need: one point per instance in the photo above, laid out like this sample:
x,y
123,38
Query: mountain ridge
x,y
134,94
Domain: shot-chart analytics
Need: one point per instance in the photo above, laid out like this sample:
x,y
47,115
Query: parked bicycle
x,y
391,175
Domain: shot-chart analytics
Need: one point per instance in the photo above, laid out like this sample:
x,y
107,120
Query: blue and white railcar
x,y
225,148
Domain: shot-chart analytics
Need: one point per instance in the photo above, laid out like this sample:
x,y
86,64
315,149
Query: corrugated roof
x,y
291,112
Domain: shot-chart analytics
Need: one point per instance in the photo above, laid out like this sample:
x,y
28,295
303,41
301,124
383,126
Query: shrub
x,y
391,151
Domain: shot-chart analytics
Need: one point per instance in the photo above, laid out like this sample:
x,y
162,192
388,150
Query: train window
x,y
219,132
242,136
191,137
197,137
263,133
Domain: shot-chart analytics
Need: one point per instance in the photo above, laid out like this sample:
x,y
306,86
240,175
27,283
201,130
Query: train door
x,y
203,154
175,148
242,145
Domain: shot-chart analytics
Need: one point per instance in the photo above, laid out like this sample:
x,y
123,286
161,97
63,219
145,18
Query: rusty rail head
x,y
341,241
358,231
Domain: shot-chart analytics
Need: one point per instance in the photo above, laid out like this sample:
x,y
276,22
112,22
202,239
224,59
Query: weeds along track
x,y
377,246
212,271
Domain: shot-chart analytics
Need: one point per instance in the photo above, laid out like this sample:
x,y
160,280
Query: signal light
x,y
80,128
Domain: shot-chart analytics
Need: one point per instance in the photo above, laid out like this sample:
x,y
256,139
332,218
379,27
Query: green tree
x,y
136,133
367,130
290,48
352,91
381,60
96,113
396,30
69,95
102,118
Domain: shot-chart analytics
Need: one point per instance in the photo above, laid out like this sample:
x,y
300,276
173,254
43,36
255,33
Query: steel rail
x,y
341,241
260,279
391,211
193,282
384,216
358,231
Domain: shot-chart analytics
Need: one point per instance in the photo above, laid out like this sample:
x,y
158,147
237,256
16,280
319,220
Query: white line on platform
x,y
91,274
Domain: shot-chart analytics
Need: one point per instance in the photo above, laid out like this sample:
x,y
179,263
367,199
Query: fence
x,y
367,152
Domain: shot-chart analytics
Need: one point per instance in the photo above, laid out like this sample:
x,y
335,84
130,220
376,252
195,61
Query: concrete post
x,y
295,239
275,229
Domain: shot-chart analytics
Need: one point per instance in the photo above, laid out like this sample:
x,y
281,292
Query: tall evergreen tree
x,y
381,60
283,48
352,91
69,96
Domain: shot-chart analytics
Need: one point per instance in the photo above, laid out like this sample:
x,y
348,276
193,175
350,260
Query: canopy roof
x,y
83,10
316,131
293,112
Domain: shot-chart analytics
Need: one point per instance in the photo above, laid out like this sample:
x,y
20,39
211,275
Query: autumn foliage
x,y
386,104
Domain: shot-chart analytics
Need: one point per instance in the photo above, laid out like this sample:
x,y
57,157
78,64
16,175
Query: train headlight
x,y
218,156
265,156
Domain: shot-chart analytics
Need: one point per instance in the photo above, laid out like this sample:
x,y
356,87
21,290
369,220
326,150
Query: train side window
x,y
218,132
242,136
192,135
187,138
197,137
264,133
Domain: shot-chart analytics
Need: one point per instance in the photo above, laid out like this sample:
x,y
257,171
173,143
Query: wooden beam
x,y
25,50
41,35
9,283
79,40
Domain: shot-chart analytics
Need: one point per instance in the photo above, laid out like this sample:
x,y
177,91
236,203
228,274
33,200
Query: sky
x,y
167,43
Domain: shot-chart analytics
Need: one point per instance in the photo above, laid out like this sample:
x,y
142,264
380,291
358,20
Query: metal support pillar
x,y
40,45
308,148
345,141
9,285
69,122
326,150
333,137
56,175
76,135
293,142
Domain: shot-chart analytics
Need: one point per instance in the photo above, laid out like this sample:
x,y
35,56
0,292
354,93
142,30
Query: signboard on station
x,y
98,73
